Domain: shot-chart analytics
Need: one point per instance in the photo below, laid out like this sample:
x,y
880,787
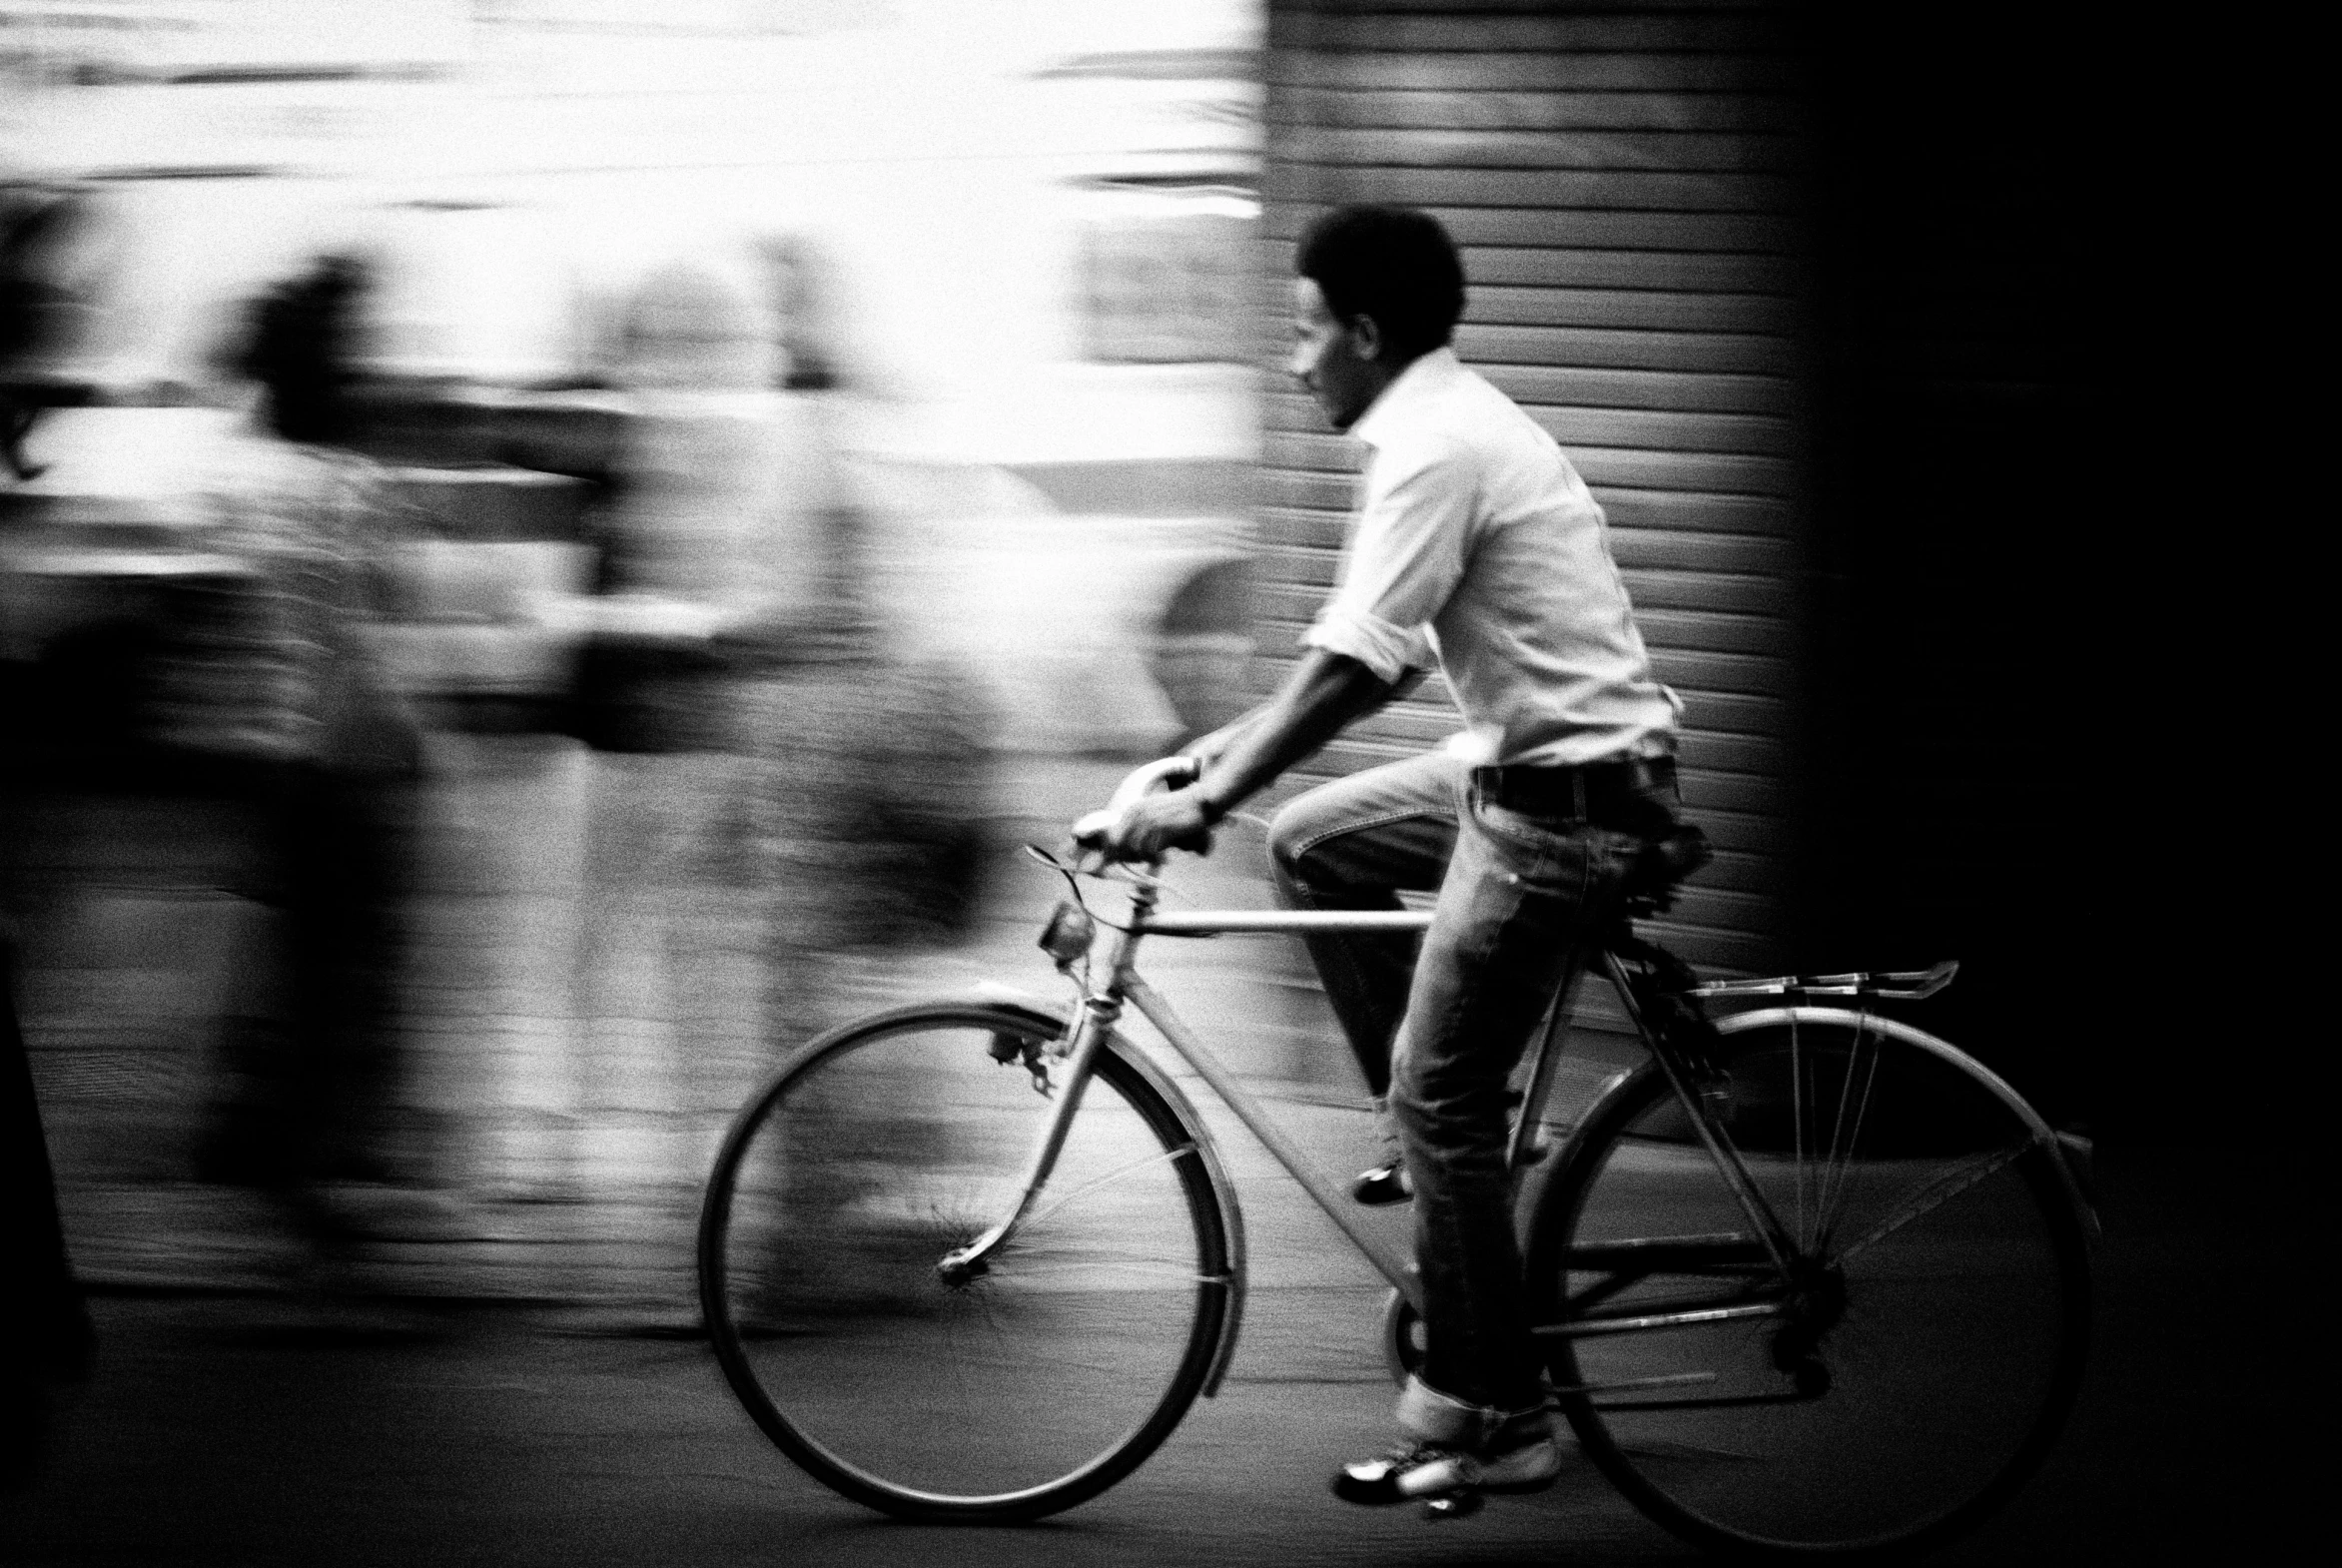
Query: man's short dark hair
x,y
1393,263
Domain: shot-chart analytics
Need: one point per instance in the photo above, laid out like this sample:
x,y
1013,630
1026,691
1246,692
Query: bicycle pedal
x,y
1453,1505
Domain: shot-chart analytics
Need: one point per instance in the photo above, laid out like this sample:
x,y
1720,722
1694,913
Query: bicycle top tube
x,y
1293,922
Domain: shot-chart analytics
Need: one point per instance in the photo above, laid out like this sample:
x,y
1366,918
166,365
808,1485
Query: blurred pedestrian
x,y
895,741
265,685
770,774
46,303
669,961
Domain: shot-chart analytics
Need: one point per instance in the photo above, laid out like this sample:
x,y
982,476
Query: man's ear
x,y
1365,336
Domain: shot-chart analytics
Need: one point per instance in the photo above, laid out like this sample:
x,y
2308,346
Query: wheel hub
x,y
1815,1305
957,1270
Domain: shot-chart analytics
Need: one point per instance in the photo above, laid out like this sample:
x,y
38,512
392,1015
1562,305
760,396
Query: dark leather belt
x,y
1593,793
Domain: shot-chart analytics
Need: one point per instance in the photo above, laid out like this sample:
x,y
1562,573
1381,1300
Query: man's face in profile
x,y
1330,357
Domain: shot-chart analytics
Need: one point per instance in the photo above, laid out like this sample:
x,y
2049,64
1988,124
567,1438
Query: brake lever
x,y
1089,863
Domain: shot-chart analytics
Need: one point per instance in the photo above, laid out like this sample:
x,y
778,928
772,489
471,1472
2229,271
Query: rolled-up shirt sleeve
x,y
1404,560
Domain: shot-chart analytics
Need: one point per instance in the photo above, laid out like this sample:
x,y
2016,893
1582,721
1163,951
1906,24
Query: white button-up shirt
x,y
1476,543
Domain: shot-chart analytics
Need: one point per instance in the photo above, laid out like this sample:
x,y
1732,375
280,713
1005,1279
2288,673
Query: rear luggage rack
x,y
1893,986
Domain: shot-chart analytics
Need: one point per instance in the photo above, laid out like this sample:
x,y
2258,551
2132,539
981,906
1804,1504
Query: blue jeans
x,y
1518,894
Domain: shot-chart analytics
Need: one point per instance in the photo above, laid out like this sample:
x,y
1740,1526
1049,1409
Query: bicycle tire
x,y
1013,1393
1914,1376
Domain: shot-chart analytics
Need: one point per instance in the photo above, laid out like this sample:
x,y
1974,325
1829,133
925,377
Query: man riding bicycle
x,y
1477,545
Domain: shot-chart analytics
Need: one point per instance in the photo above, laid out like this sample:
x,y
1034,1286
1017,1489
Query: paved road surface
x,y
243,1430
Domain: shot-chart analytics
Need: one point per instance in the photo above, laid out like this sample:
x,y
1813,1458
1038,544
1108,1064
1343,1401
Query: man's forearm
x,y
1323,696
1325,692
1209,749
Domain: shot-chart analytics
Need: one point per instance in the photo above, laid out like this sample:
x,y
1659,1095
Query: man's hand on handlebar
x,y
1151,826
1139,824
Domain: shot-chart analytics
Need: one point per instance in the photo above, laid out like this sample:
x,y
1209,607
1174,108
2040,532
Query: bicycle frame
x,y
1102,1008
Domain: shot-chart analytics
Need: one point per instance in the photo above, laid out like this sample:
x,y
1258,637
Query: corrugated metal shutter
x,y
1624,184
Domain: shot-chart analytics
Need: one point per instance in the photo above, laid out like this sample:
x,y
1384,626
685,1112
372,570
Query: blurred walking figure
x,y
759,790
887,744
703,594
265,685
45,305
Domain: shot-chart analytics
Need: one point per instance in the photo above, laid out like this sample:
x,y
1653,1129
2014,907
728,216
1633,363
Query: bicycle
x,y
1813,1281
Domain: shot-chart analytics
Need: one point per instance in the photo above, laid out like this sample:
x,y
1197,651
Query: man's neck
x,y
1396,372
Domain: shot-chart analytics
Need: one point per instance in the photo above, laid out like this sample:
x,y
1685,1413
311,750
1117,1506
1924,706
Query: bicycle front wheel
x,y
1012,1391
1893,1377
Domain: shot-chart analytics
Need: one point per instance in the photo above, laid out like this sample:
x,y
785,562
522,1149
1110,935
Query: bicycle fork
x,y
1091,1027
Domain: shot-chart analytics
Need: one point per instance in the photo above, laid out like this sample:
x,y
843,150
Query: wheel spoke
x,y
1019,1257
1933,1197
1143,1162
1797,1093
1845,1173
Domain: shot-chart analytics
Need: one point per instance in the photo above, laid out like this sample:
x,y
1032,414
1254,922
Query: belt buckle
x,y
1537,792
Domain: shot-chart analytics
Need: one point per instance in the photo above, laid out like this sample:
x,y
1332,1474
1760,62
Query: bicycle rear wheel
x,y
1909,1369
1022,1390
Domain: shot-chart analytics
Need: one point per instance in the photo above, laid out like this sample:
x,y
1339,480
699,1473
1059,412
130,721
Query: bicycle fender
x,y
1051,1013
